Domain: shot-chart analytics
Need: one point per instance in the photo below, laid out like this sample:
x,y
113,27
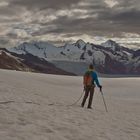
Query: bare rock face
x,y
8,61
28,62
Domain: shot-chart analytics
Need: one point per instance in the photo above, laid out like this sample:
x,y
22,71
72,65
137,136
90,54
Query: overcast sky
x,y
59,21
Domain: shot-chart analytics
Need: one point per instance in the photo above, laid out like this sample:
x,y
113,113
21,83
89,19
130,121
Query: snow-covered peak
x,y
35,45
112,45
110,42
39,49
80,43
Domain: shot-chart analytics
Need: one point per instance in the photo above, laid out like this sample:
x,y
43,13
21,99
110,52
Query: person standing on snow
x,y
90,77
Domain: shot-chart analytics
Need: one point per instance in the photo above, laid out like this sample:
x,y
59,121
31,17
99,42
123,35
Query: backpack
x,y
87,79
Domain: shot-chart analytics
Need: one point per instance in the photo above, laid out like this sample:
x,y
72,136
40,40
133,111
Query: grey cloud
x,y
132,16
12,35
3,41
108,21
107,18
44,4
70,27
101,19
129,3
10,10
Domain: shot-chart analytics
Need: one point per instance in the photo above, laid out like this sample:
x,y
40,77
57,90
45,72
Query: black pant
x,y
88,89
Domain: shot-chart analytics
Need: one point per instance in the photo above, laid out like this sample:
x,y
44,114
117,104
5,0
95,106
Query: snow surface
x,y
35,107
99,57
110,44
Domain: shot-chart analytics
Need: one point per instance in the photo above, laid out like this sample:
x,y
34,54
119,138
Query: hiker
x,y
90,77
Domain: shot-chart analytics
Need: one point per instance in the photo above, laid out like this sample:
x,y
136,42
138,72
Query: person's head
x,y
91,67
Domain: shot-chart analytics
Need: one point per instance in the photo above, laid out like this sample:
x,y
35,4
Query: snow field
x,y
35,106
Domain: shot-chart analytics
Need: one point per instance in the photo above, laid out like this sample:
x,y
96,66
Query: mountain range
x,y
73,59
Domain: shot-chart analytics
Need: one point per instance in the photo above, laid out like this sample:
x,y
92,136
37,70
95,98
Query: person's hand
x,y
100,87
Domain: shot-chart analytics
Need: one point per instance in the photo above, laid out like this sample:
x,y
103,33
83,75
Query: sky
x,y
61,21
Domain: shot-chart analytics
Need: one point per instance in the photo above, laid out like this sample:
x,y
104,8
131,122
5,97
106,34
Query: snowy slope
x,y
112,45
34,106
69,52
40,49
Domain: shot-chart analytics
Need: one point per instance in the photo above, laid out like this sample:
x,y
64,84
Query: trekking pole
x,y
104,100
77,100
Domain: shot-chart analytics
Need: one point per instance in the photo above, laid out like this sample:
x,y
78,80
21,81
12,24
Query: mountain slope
x,y
28,62
108,58
7,61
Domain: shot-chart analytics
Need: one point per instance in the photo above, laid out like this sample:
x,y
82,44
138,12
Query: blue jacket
x,y
94,77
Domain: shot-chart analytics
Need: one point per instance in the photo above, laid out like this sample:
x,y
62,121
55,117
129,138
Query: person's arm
x,y
97,81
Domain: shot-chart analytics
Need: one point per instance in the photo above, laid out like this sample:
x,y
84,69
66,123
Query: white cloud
x,y
72,12
111,3
131,35
20,33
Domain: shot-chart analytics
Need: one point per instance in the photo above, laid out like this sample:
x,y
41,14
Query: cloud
x,y
111,3
18,33
4,3
44,4
69,19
